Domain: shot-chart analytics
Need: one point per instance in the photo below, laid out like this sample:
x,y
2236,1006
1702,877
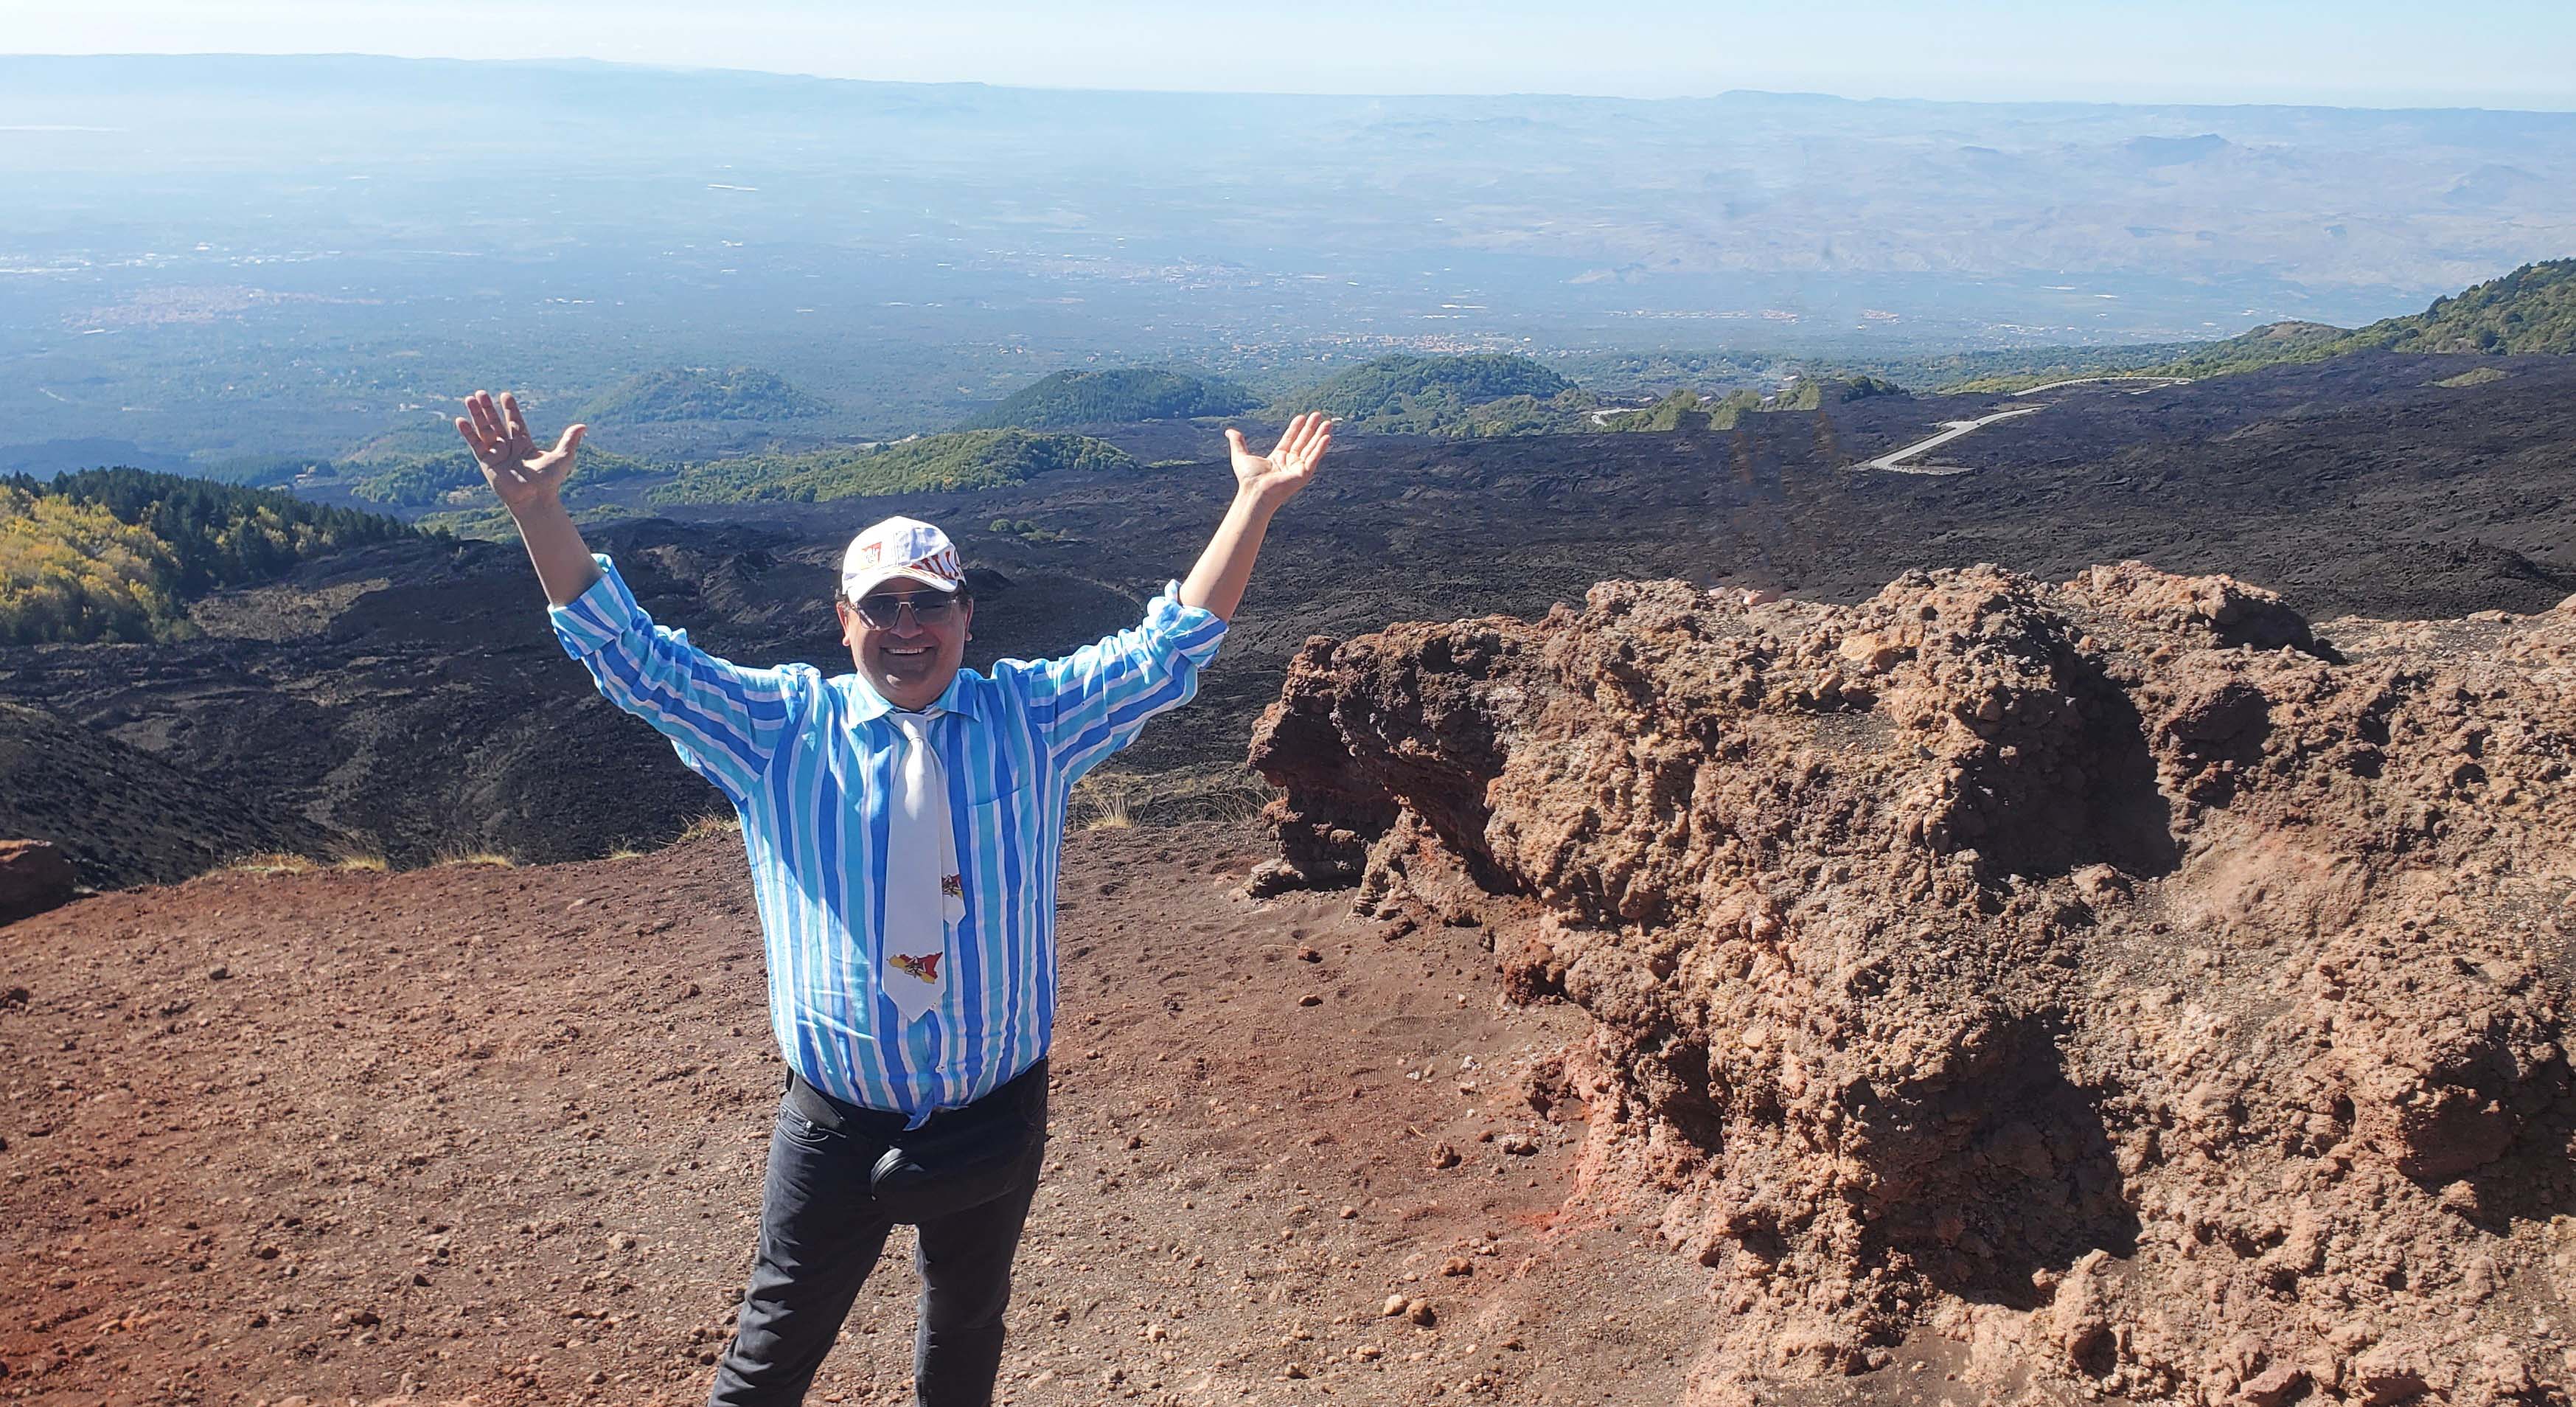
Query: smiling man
x,y
903,823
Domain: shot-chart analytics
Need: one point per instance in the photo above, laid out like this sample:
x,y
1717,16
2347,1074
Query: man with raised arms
x,y
902,823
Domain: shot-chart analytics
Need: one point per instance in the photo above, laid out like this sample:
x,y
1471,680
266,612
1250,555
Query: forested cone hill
x,y
963,461
1461,395
1116,395
698,393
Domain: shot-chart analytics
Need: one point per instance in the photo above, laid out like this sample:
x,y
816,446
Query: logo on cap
x,y
900,547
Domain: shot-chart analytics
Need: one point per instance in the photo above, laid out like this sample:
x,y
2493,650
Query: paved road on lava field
x,y
1894,461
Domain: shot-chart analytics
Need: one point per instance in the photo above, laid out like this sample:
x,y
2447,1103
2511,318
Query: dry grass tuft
x,y
712,823
270,863
279,862
1120,800
449,859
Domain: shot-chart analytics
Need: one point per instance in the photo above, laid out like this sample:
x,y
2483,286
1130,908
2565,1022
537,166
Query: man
x,y
902,823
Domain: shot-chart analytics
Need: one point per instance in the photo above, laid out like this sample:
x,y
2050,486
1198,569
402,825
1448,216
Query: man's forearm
x,y
561,558
1217,582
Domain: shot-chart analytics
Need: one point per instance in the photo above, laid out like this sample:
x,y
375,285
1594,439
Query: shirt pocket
x,y
991,788
997,828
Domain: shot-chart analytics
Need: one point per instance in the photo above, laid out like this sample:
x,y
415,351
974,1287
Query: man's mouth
x,y
905,659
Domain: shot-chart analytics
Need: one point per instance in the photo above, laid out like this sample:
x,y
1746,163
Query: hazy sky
x,y
2489,53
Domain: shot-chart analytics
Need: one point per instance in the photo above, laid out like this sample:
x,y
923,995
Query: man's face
x,y
910,658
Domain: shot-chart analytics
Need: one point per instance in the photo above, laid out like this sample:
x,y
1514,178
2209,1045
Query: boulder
x,y
35,875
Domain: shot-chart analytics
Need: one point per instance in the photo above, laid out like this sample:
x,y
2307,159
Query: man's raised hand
x,y
512,464
1275,477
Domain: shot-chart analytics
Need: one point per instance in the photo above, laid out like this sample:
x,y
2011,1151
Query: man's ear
x,y
841,612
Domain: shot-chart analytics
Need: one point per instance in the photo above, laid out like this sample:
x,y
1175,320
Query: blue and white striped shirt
x,y
810,762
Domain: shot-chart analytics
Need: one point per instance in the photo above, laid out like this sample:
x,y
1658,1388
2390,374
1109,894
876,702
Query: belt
x,y
825,1111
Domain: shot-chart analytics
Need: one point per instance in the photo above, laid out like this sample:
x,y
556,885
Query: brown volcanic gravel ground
x,y
495,1133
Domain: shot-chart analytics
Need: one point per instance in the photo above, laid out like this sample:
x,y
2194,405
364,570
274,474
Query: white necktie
x,y
924,894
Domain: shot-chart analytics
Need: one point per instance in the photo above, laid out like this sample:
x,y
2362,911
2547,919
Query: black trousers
x,y
821,1234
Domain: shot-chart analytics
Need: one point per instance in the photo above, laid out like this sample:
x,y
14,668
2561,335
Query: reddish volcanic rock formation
x,y
2114,979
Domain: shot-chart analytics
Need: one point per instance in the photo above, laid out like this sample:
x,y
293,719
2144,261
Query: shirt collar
x,y
867,705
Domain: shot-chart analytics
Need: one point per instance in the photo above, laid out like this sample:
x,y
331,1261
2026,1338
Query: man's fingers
x,y
511,421
1303,433
1288,438
486,419
1234,438
1311,441
571,439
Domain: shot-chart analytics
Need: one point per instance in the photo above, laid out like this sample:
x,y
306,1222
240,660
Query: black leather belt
x,y
839,1115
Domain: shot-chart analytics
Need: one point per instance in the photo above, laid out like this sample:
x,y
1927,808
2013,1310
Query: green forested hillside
x,y
1119,394
260,471
1456,396
1812,392
967,459
115,554
2531,310
701,393
2269,345
1684,410
417,480
1384,386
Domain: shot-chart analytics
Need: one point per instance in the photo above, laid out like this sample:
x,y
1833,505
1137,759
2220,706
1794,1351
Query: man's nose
x,y
906,622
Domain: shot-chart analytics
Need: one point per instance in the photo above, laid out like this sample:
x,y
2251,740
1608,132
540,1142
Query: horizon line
x,y
586,61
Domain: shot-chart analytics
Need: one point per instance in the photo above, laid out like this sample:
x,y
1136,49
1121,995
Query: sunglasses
x,y
883,611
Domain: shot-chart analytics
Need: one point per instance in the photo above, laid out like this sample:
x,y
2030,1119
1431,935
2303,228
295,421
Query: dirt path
x,y
497,1133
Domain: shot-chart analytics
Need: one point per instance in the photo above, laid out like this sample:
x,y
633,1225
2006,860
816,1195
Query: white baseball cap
x,y
899,547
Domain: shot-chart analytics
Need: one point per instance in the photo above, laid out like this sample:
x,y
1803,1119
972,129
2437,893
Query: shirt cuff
x,y
598,615
1186,628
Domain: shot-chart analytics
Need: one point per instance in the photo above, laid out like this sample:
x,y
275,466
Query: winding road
x,y
1894,461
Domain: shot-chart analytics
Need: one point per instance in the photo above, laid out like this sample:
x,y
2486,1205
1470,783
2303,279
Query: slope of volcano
x,y
410,699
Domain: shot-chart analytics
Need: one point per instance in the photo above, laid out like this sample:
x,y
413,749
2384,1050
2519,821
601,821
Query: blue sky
x,y
2488,53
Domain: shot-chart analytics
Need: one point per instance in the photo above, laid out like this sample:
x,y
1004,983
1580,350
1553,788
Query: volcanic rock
x,y
35,875
2098,975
